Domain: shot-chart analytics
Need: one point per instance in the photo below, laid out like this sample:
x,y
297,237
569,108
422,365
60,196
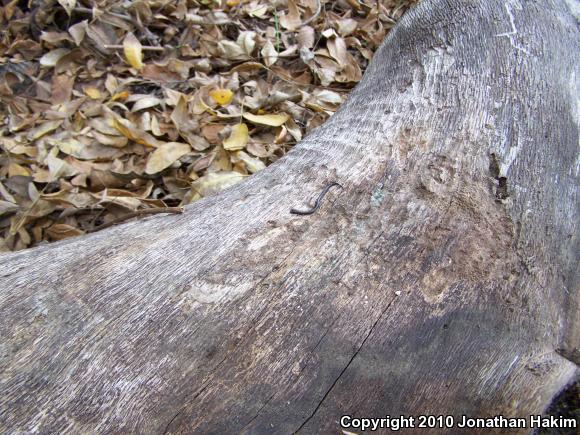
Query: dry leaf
x,y
272,120
43,129
134,133
346,26
238,138
51,58
252,164
133,51
62,231
110,140
14,169
68,5
58,168
212,132
305,37
78,31
7,207
247,41
337,49
258,11
294,130
222,96
77,115
291,20
215,182
269,53
165,156
145,103
92,92
231,50
77,149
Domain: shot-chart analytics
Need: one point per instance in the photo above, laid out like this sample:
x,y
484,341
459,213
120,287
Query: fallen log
x,y
441,279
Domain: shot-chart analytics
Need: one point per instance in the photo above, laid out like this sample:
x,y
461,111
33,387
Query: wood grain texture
x,y
442,279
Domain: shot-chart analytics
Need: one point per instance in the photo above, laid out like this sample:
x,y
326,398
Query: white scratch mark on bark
x,y
511,34
509,159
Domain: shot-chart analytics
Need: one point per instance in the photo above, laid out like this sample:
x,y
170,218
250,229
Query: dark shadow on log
x,y
441,280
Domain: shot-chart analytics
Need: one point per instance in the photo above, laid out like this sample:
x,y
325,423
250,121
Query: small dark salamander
x,y
317,203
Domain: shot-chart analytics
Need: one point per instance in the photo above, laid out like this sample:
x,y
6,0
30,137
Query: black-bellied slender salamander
x,y
318,201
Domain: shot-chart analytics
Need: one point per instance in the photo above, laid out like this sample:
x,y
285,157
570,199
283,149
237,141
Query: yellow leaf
x,y
120,96
15,169
222,96
232,3
94,93
238,138
133,51
165,156
272,120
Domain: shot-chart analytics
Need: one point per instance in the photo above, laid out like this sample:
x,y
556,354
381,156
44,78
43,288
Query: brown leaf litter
x,y
111,109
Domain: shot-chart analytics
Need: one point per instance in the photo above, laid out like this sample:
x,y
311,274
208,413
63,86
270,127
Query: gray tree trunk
x,y
441,280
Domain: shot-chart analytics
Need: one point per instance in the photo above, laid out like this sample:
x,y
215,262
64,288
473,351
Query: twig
x,y
143,47
137,213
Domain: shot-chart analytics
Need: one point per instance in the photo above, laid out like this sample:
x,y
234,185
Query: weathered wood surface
x,y
414,290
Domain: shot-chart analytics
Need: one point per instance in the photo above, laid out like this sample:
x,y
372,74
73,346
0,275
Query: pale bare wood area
x,y
442,279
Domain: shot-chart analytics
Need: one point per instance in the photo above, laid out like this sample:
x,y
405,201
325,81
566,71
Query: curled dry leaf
x,y
269,53
271,120
145,103
133,51
78,31
134,133
110,140
238,138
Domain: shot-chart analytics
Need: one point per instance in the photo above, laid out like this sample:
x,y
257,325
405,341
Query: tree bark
x,y
442,278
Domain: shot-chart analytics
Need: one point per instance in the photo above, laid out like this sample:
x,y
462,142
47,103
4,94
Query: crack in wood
x,y
345,368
